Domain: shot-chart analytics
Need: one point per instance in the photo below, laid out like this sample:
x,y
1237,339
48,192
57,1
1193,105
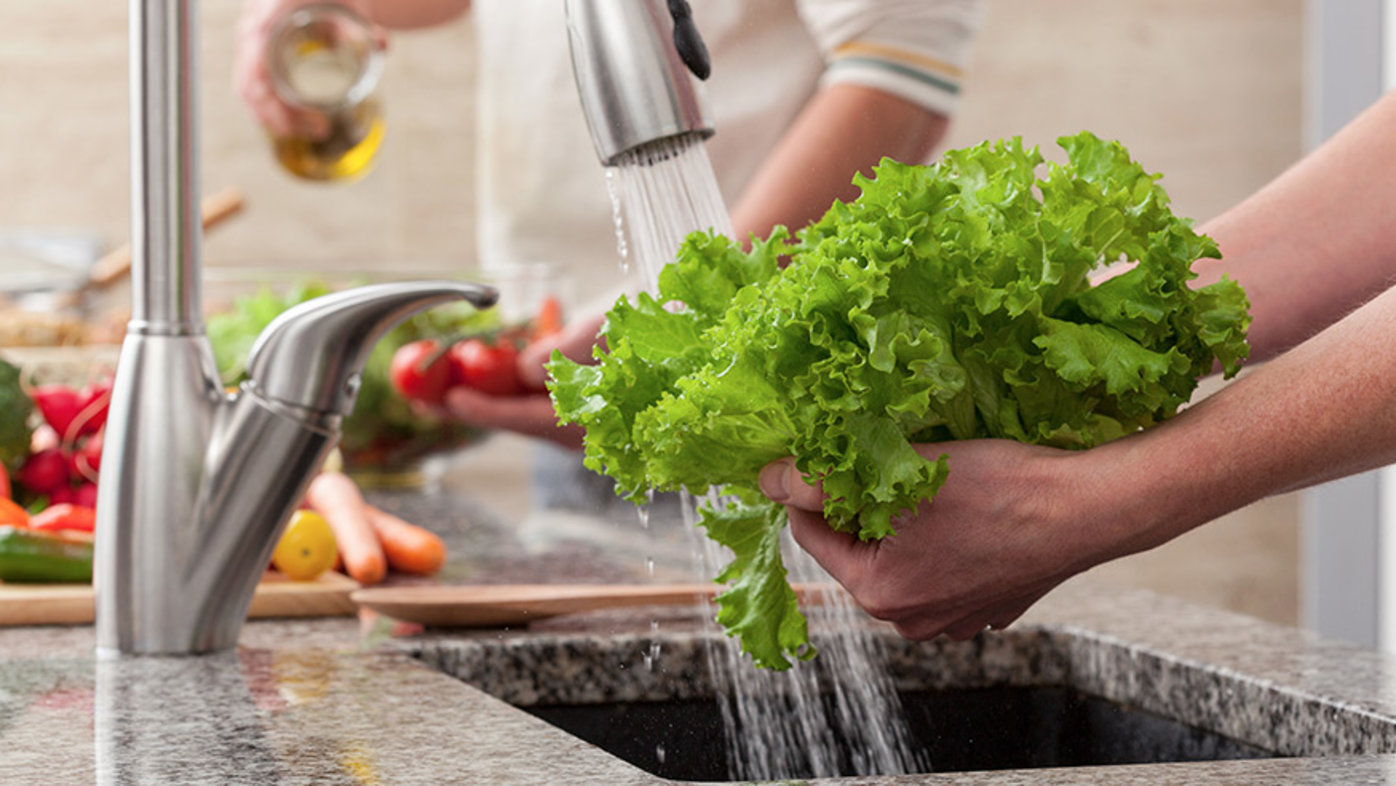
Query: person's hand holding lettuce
x,y
948,302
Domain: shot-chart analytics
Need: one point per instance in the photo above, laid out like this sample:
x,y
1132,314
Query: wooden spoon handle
x,y
215,209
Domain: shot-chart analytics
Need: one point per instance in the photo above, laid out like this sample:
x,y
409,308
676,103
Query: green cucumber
x,y
36,557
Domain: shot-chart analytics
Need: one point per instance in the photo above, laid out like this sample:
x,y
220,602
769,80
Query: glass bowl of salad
x,y
386,438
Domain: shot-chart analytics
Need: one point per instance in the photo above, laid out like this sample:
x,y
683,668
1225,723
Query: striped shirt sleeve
x,y
914,49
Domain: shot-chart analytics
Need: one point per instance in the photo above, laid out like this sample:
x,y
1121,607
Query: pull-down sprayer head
x,y
635,62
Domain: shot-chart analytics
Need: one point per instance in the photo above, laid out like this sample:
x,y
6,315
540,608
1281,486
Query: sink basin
x,y
994,728
1023,698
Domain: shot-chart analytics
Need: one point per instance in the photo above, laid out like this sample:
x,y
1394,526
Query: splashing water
x,y
836,715
622,248
777,724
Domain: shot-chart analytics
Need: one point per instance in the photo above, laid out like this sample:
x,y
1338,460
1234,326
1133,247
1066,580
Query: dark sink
x,y
1000,727
1023,698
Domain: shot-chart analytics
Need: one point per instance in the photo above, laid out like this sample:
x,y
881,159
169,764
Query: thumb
x,y
783,483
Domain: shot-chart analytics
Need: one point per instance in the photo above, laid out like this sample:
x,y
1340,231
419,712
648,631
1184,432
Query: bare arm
x,y
843,129
413,14
1319,240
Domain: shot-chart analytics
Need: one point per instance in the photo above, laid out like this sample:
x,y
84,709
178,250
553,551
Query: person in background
x,y
803,94
1316,252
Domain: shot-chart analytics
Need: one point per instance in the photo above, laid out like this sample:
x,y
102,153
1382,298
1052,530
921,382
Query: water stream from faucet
x,y
778,724
662,192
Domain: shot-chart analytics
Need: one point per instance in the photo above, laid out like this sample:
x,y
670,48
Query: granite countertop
x,y
348,701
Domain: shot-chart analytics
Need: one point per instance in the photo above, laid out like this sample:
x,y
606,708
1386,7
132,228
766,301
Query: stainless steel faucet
x,y
632,60
197,482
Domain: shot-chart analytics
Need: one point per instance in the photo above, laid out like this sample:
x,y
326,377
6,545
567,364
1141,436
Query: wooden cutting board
x,y
276,596
501,605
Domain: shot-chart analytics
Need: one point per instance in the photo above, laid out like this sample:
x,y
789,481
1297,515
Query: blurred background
x,y
1211,94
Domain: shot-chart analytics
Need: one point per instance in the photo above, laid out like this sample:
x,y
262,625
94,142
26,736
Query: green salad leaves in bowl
x,y
384,435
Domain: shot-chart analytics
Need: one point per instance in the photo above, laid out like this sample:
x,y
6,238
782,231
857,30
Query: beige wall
x,y
64,158
1206,92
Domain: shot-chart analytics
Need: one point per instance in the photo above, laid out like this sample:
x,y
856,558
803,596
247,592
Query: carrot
x,y
334,496
548,321
12,515
410,548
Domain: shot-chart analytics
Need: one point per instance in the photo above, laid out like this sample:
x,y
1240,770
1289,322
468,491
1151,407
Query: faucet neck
x,y
165,226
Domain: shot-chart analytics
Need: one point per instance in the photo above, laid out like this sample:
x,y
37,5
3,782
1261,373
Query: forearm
x,y
842,130
1320,239
411,14
1323,410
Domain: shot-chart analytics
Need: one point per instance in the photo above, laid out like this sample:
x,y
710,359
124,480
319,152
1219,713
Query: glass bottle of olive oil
x,y
325,62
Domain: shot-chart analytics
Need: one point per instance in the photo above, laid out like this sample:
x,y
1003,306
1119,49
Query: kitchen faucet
x,y
198,482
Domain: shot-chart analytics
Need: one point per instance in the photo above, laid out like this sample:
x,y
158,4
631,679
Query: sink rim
x,y
589,667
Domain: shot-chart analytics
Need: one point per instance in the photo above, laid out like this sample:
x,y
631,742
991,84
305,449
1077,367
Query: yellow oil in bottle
x,y
323,67
346,153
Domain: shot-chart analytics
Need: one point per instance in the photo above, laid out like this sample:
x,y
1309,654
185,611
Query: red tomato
x,y
488,369
59,404
64,516
5,491
413,379
45,472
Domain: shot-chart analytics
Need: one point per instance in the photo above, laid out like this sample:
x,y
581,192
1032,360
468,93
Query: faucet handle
x,y
687,41
312,355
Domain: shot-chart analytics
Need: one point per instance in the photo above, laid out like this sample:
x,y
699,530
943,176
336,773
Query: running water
x,y
836,715
622,248
665,190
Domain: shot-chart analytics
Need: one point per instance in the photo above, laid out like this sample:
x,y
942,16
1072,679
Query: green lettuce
x,y
15,408
946,302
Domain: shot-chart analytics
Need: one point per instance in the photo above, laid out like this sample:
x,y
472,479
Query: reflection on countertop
x,y
345,701
294,714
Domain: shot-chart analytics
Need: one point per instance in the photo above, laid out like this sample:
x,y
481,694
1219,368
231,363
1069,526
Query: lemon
x,y
306,548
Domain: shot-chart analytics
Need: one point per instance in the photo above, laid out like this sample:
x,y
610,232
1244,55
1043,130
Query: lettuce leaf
x,y
15,428
949,301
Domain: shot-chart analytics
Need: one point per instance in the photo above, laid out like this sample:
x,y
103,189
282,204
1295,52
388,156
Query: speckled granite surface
x,y
340,701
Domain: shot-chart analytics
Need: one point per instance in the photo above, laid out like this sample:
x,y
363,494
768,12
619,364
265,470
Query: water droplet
x,y
617,218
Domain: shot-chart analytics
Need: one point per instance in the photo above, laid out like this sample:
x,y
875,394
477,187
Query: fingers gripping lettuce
x,y
946,302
